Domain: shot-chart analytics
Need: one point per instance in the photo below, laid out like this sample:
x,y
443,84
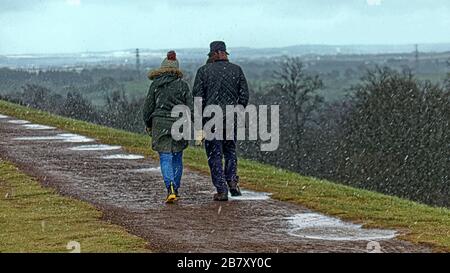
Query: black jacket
x,y
221,83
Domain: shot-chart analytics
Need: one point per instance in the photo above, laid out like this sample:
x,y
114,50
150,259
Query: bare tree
x,y
298,95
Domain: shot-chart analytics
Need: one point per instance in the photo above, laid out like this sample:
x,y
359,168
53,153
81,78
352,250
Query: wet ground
x,y
129,190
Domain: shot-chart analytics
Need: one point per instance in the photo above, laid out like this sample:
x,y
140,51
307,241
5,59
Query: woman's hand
x,y
199,137
148,131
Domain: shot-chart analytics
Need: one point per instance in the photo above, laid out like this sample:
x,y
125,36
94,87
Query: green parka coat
x,y
166,91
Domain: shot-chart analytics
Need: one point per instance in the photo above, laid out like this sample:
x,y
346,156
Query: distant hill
x,y
127,56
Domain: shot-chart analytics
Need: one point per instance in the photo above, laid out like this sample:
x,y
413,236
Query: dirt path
x,y
130,192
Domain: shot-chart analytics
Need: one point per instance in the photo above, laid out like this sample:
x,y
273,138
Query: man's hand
x,y
199,138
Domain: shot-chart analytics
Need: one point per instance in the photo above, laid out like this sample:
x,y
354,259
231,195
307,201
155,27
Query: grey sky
x,y
47,26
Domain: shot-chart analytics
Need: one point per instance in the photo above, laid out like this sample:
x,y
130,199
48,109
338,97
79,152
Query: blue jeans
x,y
171,168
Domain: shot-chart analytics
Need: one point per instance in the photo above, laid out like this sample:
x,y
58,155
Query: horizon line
x,y
233,47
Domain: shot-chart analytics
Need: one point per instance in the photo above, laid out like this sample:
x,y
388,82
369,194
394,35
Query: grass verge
x,y
34,219
416,222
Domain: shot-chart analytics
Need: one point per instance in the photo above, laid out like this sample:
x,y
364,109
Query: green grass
x,y
35,219
417,223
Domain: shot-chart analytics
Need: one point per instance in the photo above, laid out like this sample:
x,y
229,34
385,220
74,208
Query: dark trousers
x,y
217,150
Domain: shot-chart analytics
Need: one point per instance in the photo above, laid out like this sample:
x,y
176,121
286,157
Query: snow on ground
x,y
321,227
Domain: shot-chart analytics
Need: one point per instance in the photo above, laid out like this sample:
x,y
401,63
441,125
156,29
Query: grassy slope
x,y
34,219
418,223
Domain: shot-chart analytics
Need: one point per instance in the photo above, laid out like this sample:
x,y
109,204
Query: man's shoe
x,y
234,188
221,196
235,191
171,195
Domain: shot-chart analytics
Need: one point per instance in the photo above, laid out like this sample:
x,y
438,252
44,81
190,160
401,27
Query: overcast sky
x,y
51,26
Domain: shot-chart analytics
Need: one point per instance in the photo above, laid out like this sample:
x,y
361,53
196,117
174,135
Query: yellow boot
x,y
171,195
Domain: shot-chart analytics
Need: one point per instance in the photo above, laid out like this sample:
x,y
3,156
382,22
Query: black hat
x,y
217,46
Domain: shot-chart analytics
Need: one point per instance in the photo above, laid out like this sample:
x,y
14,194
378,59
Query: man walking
x,y
222,83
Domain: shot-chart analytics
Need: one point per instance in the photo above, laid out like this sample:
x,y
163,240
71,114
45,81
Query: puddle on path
x,y
246,195
99,147
18,121
320,227
252,196
38,127
73,138
123,156
147,170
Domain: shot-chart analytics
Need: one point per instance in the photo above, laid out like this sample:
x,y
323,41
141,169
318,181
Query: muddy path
x,y
130,193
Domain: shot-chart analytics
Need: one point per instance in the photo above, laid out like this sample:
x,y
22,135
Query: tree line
x,y
392,135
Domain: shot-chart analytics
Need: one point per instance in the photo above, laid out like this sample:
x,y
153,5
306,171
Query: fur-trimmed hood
x,y
154,74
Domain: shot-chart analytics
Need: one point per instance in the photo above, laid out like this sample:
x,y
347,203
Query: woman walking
x,y
166,91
